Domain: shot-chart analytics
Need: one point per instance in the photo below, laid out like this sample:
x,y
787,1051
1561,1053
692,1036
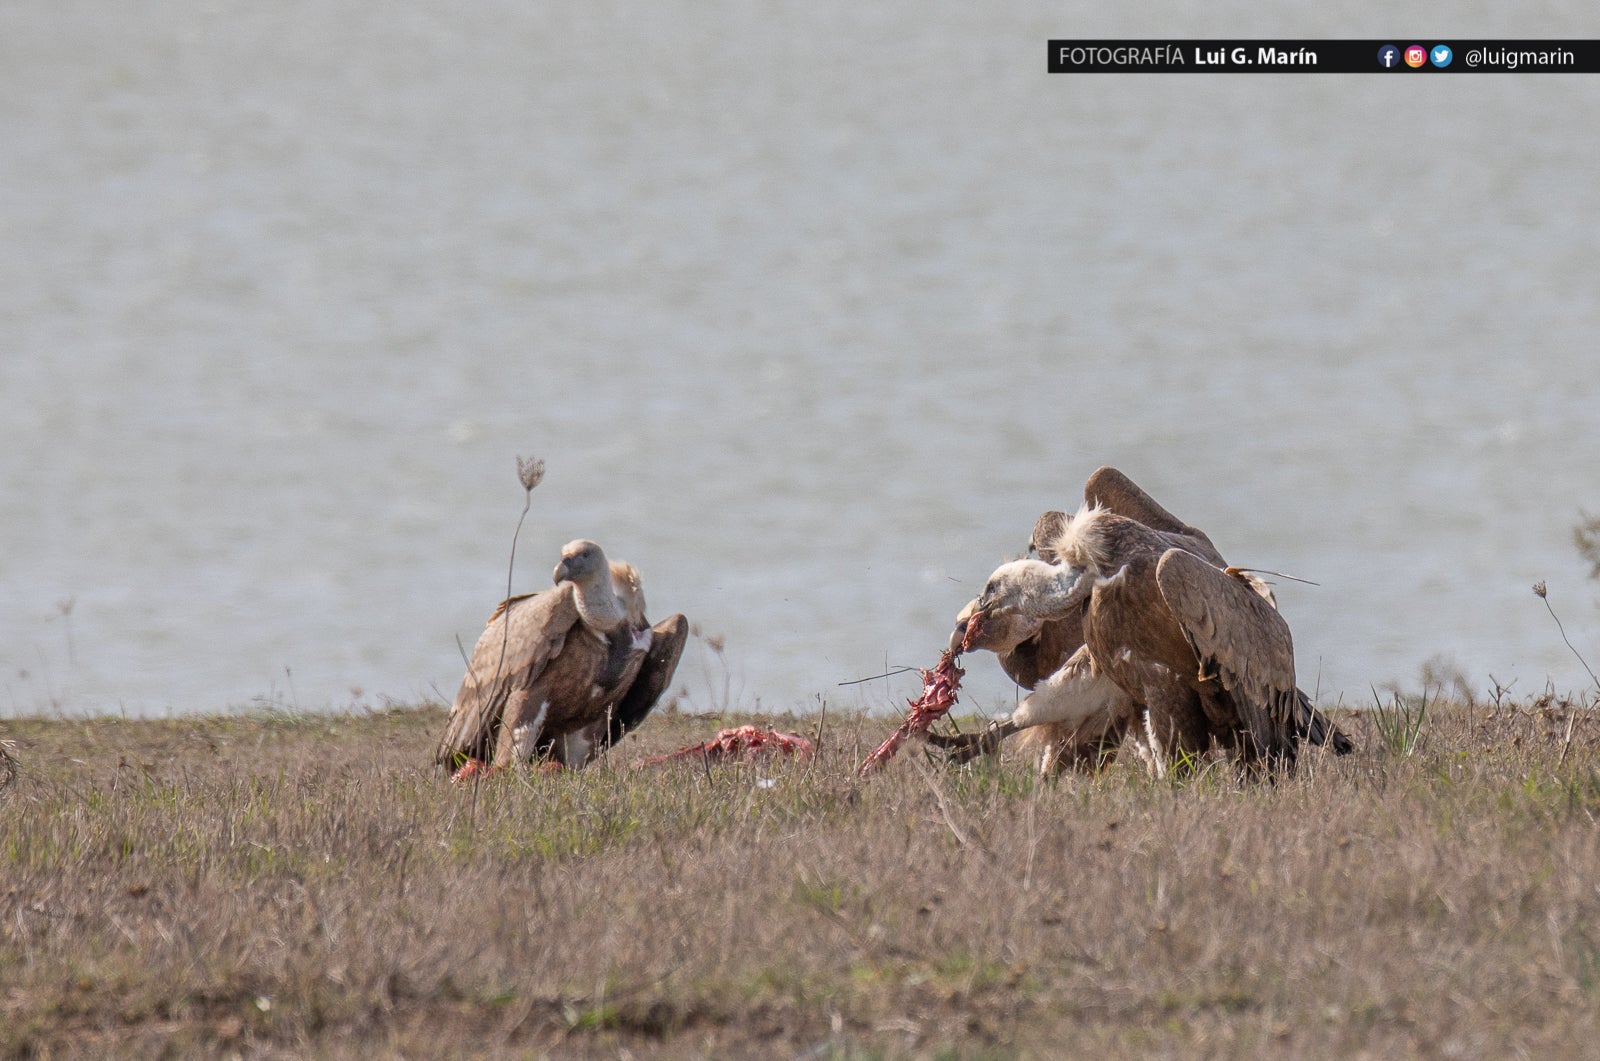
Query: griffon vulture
x,y
1200,648
1073,719
1076,721
564,673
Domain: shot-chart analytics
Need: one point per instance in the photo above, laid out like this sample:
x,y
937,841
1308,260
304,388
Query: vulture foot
x,y
965,747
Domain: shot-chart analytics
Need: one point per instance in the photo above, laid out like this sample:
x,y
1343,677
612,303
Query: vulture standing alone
x,y
1131,611
564,673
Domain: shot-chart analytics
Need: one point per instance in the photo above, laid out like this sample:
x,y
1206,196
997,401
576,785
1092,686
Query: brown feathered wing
x,y
1112,490
506,659
1241,641
666,647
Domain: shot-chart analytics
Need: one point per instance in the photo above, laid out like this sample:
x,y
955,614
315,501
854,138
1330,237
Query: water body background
x,y
811,308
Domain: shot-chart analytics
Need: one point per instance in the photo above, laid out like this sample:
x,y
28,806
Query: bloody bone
x,y
939,687
470,769
477,768
737,744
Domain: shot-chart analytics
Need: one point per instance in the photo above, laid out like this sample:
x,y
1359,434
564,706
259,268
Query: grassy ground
x,y
300,885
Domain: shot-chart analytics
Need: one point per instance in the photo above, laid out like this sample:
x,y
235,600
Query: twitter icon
x,y
1441,55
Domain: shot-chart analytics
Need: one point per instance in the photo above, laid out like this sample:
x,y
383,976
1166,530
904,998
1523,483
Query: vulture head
x,y
1033,589
999,633
584,564
582,561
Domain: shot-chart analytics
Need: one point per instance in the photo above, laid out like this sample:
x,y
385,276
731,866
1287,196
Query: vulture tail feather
x,y
1319,729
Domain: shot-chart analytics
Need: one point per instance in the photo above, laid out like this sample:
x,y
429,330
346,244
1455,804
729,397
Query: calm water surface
x,y
810,314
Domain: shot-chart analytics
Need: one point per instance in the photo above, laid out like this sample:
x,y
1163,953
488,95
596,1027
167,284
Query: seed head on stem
x,y
530,470
1543,593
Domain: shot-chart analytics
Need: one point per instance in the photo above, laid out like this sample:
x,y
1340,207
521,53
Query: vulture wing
x,y
523,636
1241,640
667,639
1046,529
1112,490
1319,729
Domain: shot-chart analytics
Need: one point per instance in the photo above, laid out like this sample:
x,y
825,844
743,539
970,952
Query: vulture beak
x,y
562,573
959,634
968,629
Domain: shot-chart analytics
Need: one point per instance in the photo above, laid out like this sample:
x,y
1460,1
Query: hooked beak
x,y
562,573
959,635
968,627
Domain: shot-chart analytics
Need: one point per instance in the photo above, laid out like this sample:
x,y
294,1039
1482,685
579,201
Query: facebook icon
x,y
1388,57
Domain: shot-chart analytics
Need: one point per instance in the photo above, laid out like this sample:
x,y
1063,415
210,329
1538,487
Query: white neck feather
x,y
1081,542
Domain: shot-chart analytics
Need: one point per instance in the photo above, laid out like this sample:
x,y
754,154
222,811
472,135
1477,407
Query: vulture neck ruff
x,y
1101,542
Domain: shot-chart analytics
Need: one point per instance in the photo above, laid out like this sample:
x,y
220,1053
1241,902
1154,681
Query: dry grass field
x,y
291,885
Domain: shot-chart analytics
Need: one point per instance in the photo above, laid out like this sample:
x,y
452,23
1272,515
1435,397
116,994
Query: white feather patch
x,y
1157,761
1075,694
526,736
1080,543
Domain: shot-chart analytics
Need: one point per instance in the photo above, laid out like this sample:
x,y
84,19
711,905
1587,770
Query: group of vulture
x,y
1124,623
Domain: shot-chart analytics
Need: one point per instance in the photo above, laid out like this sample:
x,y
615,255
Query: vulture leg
x,y
1084,748
520,726
965,747
573,749
1175,723
1080,704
